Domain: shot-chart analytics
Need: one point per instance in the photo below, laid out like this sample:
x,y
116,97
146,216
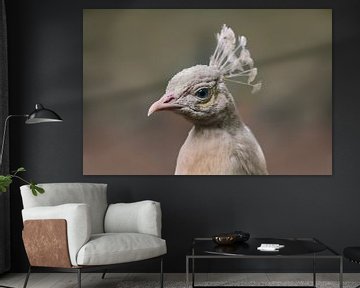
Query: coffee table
x,y
294,248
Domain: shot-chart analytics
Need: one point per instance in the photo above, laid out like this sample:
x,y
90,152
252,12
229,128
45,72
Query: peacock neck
x,y
230,122
231,129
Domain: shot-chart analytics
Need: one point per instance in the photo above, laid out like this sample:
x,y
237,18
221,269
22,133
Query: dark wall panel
x,y
45,65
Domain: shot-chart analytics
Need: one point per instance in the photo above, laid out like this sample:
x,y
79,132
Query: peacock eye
x,y
202,93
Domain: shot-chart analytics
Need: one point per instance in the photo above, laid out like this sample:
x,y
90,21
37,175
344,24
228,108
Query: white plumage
x,y
234,61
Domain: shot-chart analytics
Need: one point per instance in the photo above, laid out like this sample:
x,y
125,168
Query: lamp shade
x,y
42,115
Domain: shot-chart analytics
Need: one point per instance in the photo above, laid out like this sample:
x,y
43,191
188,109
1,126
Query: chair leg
x,y
103,275
79,277
27,277
161,273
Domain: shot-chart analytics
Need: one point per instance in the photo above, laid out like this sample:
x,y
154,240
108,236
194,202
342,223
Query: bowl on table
x,y
231,238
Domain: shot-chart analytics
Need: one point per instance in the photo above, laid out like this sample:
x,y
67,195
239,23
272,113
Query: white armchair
x,y
72,228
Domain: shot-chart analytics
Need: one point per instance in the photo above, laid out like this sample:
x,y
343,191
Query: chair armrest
x,y
77,218
138,217
53,249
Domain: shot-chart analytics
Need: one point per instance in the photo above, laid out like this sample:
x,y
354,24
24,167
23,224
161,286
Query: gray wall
x,y
45,65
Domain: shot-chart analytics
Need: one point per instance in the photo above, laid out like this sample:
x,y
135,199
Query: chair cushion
x,y
113,248
352,253
137,217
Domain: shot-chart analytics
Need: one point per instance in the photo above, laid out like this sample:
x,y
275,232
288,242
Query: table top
x,y
292,247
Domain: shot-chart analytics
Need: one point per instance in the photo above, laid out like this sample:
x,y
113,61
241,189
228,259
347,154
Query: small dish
x,y
225,239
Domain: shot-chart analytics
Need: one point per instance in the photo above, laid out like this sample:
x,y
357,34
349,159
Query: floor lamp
x,y
39,115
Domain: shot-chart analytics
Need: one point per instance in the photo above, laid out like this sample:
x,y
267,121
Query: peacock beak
x,y
166,102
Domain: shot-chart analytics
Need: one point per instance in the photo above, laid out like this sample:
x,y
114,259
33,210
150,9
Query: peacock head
x,y
199,93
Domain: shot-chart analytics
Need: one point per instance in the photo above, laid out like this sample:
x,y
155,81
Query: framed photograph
x,y
207,92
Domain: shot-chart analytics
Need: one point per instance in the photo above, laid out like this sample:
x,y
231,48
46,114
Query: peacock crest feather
x,y
233,60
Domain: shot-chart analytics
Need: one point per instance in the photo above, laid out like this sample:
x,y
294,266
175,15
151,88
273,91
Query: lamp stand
x,y
4,135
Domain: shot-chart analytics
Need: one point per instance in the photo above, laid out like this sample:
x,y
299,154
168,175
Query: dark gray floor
x,y
122,280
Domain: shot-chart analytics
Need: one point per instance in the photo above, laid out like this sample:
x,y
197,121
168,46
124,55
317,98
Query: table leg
x,y
341,273
314,271
187,272
193,272
193,268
